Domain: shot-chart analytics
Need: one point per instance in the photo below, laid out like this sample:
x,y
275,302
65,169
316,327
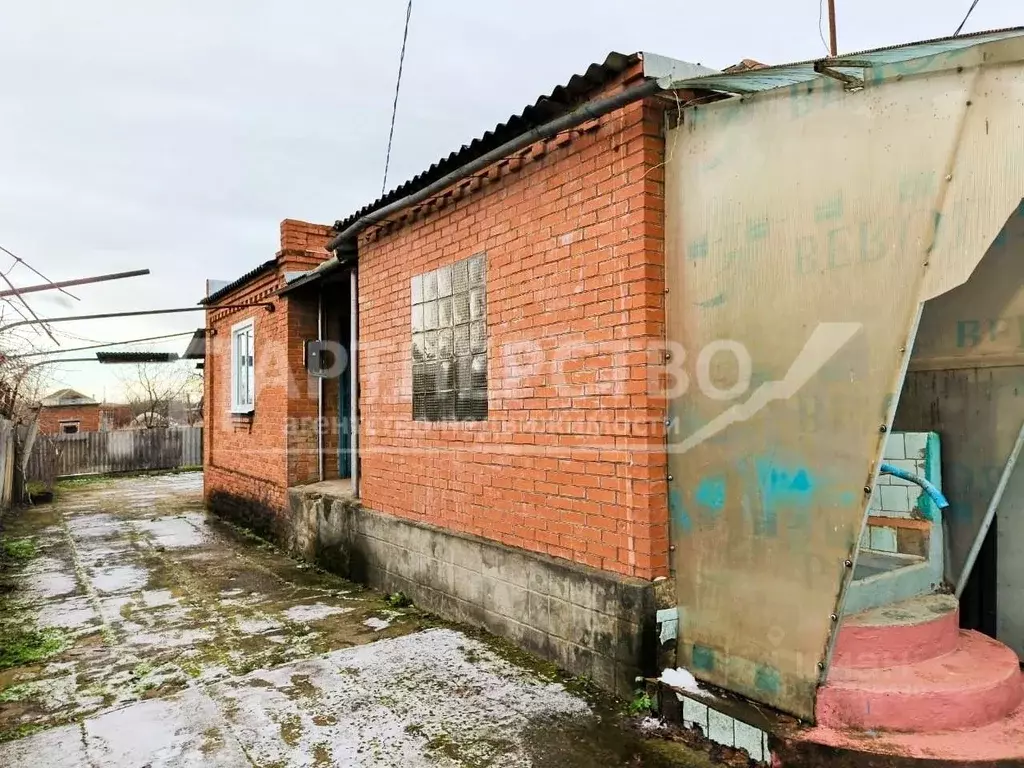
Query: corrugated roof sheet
x,y
196,349
136,357
266,266
560,101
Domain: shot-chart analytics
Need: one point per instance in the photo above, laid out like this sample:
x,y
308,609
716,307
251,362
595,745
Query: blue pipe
x,y
933,493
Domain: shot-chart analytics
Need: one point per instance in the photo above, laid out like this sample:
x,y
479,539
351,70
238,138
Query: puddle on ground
x,y
175,532
119,578
157,598
73,613
50,584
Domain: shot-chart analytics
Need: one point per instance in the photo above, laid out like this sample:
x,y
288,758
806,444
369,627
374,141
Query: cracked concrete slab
x,y
154,635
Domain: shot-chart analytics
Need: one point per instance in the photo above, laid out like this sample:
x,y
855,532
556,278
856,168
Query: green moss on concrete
x,y
19,646
19,550
21,731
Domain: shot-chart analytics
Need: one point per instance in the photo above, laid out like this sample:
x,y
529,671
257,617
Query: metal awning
x,y
196,349
848,67
109,358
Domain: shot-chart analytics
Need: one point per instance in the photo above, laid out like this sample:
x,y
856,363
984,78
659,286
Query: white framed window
x,y
69,427
243,378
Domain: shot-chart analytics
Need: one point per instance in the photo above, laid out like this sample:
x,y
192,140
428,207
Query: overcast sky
x,y
176,135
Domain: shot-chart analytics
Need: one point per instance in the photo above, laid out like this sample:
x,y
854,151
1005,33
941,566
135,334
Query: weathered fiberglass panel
x,y
805,226
966,381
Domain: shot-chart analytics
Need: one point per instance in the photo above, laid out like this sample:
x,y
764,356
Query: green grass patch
x,y
641,704
19,646
19,550
21,732
398,600
36,488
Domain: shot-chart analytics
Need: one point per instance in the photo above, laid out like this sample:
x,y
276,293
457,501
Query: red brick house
x,y
508,332
68,412
473,390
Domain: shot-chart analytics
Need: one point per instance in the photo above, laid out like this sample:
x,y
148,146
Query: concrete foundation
x,y
589,622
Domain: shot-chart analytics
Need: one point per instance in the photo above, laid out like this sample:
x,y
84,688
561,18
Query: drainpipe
x,y
354,387
320,390
582,114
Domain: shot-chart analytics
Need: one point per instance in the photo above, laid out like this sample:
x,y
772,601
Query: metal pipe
x,y
589,111
78,281
353,373
933,493
35,317
833,46
320,391
136,313
990,513
98,346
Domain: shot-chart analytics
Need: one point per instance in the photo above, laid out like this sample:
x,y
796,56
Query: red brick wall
x,y
50,418
571,460
256,457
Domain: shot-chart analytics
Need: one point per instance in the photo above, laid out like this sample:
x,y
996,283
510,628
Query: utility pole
x,y
833,47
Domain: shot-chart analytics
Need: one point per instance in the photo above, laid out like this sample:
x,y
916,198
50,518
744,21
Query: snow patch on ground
x,y
377,705
651,725
258,625
304,613
376,624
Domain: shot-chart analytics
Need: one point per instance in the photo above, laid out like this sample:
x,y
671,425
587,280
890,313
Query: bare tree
x,y
153,389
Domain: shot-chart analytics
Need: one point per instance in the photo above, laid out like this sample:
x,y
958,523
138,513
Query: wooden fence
x,y
8,446
98,453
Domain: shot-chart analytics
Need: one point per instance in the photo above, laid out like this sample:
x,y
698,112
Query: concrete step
x,y
999,743
898,634
978,683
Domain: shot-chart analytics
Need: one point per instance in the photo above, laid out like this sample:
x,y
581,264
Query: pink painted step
x,y
998,743
978,683
903,633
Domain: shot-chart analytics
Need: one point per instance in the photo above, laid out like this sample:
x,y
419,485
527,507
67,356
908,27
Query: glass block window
x,y
449,342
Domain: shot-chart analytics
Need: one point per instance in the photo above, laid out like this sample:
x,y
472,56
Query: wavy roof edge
x,y
238,282
561,100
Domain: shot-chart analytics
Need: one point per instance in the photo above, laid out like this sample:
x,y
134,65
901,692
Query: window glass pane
x,y
449,342
239,367
444,281
249,360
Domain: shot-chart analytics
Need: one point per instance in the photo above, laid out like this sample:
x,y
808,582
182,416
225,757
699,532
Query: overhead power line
x,y
35,317
394,108
969,12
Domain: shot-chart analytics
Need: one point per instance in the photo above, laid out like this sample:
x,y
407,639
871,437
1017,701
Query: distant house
x,y
115,416
67,412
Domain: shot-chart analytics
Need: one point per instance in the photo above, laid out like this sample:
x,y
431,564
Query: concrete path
x,y
137,631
